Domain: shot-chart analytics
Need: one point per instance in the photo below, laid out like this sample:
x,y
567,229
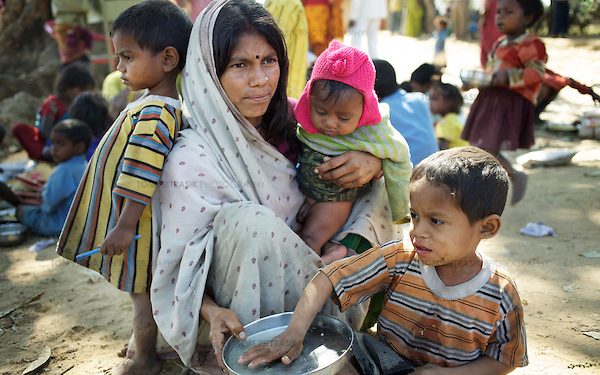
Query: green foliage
x,y
583,14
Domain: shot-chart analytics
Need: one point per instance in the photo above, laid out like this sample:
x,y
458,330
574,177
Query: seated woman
x,y
227,253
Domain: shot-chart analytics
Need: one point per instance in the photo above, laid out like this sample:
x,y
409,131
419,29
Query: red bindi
x,y
257,57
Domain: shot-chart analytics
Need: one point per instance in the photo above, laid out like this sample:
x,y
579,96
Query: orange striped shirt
x,y
428,322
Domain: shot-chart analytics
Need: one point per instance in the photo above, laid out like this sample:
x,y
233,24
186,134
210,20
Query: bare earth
x,y
84,321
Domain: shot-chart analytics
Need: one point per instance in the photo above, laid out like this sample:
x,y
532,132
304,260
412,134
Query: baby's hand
x,y
116,242
286,347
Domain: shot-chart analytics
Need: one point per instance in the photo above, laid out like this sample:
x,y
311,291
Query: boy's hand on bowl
x,y
286,347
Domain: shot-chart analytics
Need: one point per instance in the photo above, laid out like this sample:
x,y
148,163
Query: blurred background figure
x,y
291,19
459,17
488,31
395,16
70,30
422,78
445,102
409,112
441,34
560,18
430,14
413,18
366,18
1,14
325,23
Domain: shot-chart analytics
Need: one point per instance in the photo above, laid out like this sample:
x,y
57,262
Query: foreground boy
x,y
112,204
448,309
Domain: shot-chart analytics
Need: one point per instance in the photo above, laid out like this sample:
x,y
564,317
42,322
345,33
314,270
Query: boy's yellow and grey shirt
x,y
429,322
127,164
381,140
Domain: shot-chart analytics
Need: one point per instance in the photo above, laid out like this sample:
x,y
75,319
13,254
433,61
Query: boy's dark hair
x,y
76,131
331,91
475,178
156,25
425,73
73,75
451,94
246,17
91,108
533,8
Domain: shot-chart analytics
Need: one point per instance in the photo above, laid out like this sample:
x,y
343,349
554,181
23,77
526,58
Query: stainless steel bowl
x,y
325,351
475,78
12,234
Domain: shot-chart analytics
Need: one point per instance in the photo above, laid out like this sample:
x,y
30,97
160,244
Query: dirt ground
x,y
84,321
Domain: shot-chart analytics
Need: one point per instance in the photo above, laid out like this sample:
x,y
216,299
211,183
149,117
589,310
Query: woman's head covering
x,y
220,159
348,65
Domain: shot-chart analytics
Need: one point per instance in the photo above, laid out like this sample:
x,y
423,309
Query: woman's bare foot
x,y
137,367
332,252
519,185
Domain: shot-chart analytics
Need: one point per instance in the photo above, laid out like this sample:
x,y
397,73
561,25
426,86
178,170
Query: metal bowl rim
x,y
341,357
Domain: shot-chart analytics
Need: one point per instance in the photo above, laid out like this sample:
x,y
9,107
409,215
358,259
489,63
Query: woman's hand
x,y
351,170
286,347
223,322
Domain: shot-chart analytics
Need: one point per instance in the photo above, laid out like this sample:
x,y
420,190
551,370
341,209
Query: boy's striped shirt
x,y
428,322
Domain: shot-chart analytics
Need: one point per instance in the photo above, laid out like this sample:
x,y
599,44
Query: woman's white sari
x,y
223,211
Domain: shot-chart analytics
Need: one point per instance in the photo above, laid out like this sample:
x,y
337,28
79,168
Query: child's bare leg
x,y
518,179
144,330
323,220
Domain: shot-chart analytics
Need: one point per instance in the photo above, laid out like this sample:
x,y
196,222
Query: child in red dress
x,y
503,115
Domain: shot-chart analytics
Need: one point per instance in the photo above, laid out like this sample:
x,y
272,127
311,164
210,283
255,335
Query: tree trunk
x,y
28,56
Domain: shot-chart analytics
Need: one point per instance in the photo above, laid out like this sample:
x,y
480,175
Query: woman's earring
x,y
266,78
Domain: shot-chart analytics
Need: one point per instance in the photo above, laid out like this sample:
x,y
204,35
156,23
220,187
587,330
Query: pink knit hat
x,y
348,65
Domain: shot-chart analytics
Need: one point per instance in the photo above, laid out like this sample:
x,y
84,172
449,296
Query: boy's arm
x,y
288,345
119,238
145,153
481,366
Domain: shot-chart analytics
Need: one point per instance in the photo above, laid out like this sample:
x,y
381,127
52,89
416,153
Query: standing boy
x,y
448,308
112,204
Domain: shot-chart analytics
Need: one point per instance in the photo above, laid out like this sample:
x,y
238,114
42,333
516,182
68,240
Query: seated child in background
x,y
447,304
446,101
338,112
113,202
91,108
409,112
422,78
35,139
117,94
70,141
